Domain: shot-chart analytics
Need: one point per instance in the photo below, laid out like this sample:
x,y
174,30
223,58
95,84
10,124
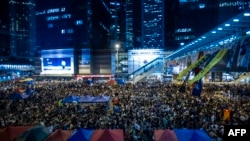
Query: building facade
x,y
152,24
77,25
22,28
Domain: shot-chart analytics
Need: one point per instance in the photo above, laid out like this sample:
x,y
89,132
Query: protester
x,y
143,107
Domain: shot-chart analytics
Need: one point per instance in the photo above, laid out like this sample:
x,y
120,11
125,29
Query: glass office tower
x,y
153,24
22,28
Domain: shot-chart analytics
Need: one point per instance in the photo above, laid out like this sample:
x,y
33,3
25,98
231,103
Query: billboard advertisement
x,y
57,61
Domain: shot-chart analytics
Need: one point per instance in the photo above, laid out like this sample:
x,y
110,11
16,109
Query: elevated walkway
x,y
144,71
241,77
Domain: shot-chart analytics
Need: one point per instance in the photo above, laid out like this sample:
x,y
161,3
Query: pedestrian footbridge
x,y
154,66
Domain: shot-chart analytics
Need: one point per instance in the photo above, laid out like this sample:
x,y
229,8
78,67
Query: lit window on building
x,y
66,16
185,37
63,9
52,18
79,22
63,31
41,12
54,10
201,6
181,30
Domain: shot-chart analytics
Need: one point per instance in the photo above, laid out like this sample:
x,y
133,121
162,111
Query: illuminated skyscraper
x,y
22,28
129,33
153,24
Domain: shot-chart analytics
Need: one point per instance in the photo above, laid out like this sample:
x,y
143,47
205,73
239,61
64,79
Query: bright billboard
x,y
57,61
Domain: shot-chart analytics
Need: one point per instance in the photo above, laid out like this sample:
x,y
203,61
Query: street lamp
x,y
117,46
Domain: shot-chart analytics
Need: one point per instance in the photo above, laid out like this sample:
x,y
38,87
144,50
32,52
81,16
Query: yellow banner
x,y
204,71
195,64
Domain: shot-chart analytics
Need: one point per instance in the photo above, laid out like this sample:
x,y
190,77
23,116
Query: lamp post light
x,y
117,46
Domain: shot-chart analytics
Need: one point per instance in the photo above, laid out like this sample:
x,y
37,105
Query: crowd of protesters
x,y
142,107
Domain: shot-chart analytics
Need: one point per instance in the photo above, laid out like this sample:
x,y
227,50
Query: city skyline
x,y
180,24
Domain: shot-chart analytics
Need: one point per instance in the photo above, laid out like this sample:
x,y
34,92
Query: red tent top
x,y
108,135
11,132
59,135
165,135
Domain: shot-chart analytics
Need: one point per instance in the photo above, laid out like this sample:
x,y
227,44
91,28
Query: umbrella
x,y
37,133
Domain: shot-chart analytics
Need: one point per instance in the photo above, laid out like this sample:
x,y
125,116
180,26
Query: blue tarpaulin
x,y
18,96
87,99
70,99
191,135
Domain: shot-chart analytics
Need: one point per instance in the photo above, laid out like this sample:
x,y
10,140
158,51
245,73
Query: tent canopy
x,y
59,135
11,132
81,135
190,135
108,135
36,133
165,135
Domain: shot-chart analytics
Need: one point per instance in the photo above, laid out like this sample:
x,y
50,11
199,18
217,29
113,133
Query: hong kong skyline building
x,y
82,28
22,28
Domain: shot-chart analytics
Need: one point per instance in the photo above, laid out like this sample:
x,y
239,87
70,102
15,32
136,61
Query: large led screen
x,y
56,63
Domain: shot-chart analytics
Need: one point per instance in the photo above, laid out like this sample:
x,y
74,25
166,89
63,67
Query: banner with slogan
x,y
197,86
204,71
192,66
